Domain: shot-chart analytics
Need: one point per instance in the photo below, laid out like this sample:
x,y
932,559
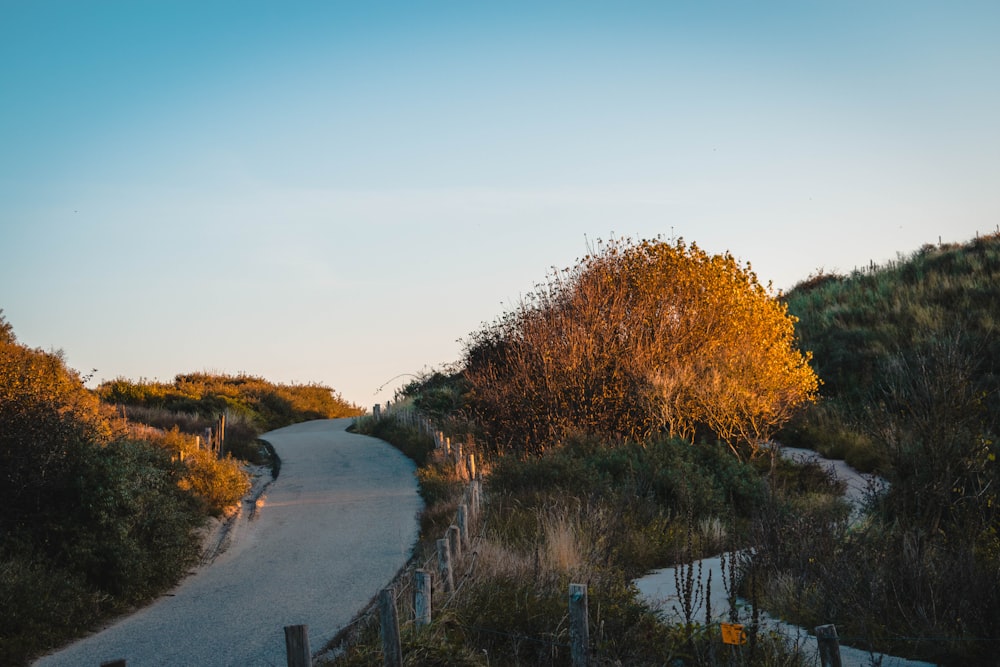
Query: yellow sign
x,y
733,634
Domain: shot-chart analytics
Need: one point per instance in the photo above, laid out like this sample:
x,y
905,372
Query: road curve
x,y
334,528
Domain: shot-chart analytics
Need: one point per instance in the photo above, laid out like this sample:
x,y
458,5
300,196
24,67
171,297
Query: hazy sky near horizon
x,y
341,192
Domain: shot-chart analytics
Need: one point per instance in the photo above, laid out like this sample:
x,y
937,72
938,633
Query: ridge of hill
x,y
940,305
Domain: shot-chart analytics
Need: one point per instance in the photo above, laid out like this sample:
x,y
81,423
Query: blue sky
x,y
341,192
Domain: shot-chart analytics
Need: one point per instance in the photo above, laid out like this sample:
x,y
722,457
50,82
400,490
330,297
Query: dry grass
x,y
563,542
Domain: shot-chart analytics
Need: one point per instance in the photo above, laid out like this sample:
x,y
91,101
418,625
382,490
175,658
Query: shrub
x,y
636,339
245,399
42,603
219,483
130,530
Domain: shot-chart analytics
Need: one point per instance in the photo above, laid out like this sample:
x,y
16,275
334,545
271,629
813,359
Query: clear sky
x,y
340,192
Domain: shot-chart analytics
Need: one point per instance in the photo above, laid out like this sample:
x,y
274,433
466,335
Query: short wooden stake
x,y
471,464
476,491
297,646
391,647
444,565
579,630
463,525
222,435
829,645
377,411
455,544
422,598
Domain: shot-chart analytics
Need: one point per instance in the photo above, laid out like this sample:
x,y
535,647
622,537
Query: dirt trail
x,y
334,528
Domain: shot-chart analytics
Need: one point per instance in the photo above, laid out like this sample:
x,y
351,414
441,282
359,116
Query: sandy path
x,y
334,528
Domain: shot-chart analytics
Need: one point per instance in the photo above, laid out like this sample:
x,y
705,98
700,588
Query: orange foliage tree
x,y
640,338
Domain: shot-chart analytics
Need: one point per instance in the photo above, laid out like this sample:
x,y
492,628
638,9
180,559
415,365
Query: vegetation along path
x,y
659,588
334,528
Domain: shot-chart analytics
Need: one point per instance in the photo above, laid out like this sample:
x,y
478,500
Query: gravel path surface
x,y
331,531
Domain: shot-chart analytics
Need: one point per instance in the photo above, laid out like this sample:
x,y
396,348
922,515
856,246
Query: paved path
x,y
858,486
659,588
334,528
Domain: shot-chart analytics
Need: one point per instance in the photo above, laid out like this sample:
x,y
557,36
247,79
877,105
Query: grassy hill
x,y
938,307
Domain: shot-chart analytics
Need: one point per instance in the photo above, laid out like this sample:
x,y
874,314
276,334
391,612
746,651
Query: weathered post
x,y
579,630
471,465
455,544
422,598
444,565
377,411
463,525
475,491
391,647
829,645
297,646
222,435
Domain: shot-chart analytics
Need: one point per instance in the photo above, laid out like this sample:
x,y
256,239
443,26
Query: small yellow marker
x,y
733,634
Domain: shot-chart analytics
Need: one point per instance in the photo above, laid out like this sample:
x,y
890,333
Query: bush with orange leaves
x,y
640,338
218,483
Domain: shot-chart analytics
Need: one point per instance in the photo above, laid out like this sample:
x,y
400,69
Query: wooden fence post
x,y
476,490
297,646
222,435
422,598
463,525
391,647
455,544
444,565
470,463
377,411
579,628
829,645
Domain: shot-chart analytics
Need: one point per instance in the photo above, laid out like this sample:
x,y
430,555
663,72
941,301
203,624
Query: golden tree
x,y
639,338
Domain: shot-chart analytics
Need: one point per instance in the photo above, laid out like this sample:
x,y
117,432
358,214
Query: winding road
x,y
333,529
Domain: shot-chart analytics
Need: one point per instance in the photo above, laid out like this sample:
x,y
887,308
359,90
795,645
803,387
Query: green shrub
x,y
413,443
825,429
41,604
